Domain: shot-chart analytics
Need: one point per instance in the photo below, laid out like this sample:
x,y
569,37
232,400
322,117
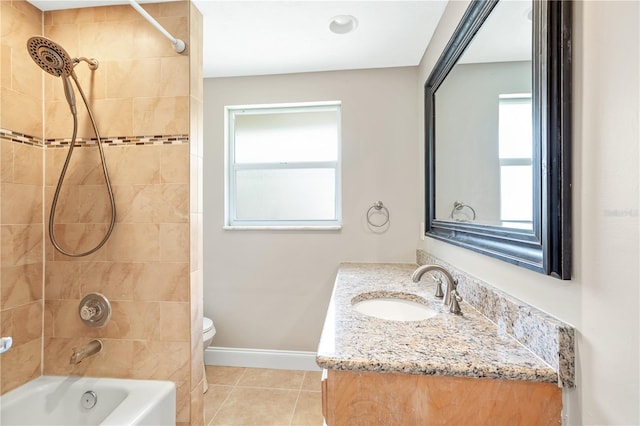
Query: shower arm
x,y
178,44
93,63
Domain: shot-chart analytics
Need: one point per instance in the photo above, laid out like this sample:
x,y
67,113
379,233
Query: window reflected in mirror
x,y
483,124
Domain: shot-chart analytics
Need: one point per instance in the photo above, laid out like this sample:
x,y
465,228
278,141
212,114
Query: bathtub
x,y
51,400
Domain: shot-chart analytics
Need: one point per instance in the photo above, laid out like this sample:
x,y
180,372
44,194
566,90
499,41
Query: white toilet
x,y
208,331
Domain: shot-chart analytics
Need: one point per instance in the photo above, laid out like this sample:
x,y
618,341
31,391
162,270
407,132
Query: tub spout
x,y
92,348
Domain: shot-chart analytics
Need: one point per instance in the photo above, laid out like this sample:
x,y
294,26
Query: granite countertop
x,y
450,345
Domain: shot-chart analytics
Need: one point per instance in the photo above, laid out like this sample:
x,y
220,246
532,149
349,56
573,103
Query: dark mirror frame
x,y
547,247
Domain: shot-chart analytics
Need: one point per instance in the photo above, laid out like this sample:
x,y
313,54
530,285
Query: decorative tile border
x,y
121,141
106,141
17,137
549,338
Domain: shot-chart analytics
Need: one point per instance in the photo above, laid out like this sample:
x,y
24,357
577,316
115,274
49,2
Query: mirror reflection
x,y
483,126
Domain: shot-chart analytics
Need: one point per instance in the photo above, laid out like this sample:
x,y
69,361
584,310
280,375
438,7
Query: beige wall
x,y
602,298
270,289
21,255
149,267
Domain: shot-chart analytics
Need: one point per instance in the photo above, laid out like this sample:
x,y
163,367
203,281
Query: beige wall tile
x,y
174,324
6,161
21,204
5,65
26,76
174,242
94,204
123,13
108,40
183,402
116,280
80,238
161,115
20,285
134,243
76,16
162,281
21,113
67,207
19,23
174,76
21,244
63,280
197,404
194,184
174,163
23,323
152,203
134,164
162,360
150,43
20,365
175,8
134,78
28,164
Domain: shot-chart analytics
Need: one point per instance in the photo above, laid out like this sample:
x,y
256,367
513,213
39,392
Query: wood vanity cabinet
x,y
356,398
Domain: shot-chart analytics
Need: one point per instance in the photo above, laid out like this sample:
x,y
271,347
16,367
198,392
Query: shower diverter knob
x,y
95,310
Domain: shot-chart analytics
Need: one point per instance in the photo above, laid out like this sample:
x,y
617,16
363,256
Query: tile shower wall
x,y
21,168
196,91
140,96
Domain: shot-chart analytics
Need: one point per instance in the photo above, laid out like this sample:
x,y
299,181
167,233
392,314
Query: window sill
x,y
283,228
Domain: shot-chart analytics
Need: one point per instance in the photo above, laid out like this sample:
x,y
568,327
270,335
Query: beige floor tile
x,y
312,380
260,407
213,399
308,410
268,378
217,375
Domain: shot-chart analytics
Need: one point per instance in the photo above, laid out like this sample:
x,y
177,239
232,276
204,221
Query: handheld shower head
x,y
52,58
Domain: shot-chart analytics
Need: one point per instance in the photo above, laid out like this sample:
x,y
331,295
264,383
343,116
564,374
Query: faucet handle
x,y
454,308
439,294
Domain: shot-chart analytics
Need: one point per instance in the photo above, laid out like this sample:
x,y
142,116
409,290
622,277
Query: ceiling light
x,y
343,24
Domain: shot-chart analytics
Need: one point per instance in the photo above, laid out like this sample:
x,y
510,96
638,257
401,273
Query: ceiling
x,y
279,37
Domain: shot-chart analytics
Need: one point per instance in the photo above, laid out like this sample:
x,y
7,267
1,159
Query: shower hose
x,y
64,171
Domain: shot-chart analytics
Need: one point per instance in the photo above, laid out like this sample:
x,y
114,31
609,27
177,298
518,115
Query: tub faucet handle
x,y
88,312
95,310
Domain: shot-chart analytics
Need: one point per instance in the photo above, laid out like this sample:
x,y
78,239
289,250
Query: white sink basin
x,y
394,309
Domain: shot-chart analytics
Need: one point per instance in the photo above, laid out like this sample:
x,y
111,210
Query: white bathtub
x,y
50,400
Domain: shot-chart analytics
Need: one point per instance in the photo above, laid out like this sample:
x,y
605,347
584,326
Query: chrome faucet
x,y
451,297
92,348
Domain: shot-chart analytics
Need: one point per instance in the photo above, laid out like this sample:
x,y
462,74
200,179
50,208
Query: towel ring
x,y
378,207
459,205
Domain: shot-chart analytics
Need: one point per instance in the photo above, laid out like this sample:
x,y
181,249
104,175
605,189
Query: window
x,y
283,165
515,151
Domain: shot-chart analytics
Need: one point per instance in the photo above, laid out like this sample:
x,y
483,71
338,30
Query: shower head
x,y
50,56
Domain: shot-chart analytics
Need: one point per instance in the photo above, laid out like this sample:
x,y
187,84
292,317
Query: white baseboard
x,y
261,358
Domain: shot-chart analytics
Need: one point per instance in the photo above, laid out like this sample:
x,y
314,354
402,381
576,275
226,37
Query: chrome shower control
x,y
94,310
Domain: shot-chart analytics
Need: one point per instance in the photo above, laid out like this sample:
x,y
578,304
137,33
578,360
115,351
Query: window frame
x,y
514,98
230,218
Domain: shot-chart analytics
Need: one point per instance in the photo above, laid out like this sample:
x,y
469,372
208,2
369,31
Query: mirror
x,y
497,120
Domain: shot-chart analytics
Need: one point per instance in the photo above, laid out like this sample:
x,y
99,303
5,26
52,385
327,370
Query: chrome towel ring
x,y
459,205
378,208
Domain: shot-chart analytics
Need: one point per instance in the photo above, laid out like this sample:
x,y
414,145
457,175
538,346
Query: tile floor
x,y
262,397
